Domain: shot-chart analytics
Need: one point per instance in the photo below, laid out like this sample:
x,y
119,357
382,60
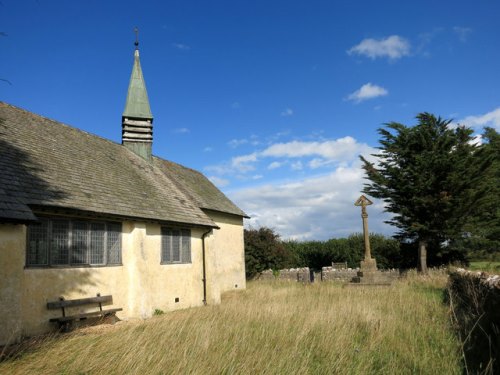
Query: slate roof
x,y
198,187
45,163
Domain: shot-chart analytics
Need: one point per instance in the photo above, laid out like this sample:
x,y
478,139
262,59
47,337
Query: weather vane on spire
x,y
136,31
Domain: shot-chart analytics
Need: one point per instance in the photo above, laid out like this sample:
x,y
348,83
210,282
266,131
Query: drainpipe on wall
x,y
204,267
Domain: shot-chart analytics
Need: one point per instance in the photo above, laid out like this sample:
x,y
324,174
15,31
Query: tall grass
x,y
485,266
271,328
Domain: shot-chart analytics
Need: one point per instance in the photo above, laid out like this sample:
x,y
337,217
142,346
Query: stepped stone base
x,y
368,275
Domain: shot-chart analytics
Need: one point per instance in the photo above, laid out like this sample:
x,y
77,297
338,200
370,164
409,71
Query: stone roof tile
x,y
49,164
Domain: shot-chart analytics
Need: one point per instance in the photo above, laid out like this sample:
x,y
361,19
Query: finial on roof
x,y
136,31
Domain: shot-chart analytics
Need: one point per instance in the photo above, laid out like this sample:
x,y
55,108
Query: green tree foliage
x,y
483,231
431,178
263,251
318,254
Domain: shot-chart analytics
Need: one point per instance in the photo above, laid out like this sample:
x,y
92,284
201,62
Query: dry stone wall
x,y
291,274
475,303
327,274
338,274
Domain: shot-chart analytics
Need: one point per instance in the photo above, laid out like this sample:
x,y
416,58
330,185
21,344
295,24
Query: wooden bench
x,y
65,321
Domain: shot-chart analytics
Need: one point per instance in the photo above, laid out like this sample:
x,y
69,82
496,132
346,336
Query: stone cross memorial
x,y
368,273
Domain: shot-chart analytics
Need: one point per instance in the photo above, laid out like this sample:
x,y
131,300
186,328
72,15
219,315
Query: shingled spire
x,y
137,120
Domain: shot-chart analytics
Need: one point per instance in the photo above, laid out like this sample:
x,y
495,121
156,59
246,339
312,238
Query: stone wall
x,y
346,274
290,274
338,274
327,274
475,305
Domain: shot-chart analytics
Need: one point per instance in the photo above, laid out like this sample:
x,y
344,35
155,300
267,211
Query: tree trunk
x,y
422,256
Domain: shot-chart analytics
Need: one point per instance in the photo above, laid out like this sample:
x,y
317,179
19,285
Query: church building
x,y
81,215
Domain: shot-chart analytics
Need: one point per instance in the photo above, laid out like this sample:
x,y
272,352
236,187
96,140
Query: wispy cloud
x,y
491,119
243,163
181,46
304,207
393,47
323,153
220,182
297,166
234,143
462,33
181,130
367,91
337,149
317,207
274,165
208,149
287,112
319,162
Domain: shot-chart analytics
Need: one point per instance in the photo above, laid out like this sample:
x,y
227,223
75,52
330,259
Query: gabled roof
x,y
45,163
198,187
137,104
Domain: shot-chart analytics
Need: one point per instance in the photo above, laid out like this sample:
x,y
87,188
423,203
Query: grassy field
x,y
485,265
271,328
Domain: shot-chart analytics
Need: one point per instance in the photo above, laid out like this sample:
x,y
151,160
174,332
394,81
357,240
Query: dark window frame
x,y
175,245
63,242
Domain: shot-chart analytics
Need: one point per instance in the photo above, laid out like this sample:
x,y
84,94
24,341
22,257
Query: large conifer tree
x,y
428,175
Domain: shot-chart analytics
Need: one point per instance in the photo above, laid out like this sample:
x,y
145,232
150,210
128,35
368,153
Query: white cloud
x,y
319,207
342,150
257,177
337,149
367,91
208,149
220,182
181,130
182,47
274,165
242,164
318,163
491,119
392,47
238,165
287,112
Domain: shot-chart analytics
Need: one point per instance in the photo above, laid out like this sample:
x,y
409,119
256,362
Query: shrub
x,y
263,251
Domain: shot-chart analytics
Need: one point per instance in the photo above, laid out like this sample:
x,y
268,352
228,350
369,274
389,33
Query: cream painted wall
x,y
227,246
139,286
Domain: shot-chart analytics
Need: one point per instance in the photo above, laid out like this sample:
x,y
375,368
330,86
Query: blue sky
x,y
272,100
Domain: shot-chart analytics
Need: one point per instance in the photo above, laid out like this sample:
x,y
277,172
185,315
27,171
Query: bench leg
x,y
66,326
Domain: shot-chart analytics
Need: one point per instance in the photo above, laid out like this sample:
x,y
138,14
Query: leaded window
x,y
175,245
64,242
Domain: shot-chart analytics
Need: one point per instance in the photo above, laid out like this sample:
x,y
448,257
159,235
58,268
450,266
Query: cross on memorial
x,y
363,202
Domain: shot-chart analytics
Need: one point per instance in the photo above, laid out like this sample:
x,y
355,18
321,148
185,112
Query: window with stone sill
x,y
74,243
175,246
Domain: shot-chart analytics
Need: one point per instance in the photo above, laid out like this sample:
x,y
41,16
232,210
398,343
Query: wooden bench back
x,y
79,302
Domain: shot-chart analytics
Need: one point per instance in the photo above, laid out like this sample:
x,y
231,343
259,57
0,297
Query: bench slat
x,y
78,302
85,315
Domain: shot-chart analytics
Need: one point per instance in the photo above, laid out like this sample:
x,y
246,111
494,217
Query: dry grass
x,y
272,328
